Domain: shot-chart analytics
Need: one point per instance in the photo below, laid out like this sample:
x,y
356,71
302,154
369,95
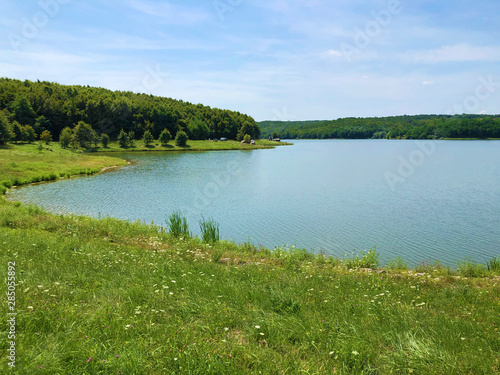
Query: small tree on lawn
x,y
29,134
84,135
123,139
165,137
104,140
247,138
65,137
181,139
46,137
6,133
148,138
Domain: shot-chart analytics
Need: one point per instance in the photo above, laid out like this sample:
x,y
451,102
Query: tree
x,y
249,128
123,139
148,138
65,137
181,139
198,129
247,138
165,137
22,111
275,135
104,140
18,132
29,134
131,137
46,137
84,135
41,124
6,133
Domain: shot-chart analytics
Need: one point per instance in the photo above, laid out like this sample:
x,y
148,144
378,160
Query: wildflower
x,y
117,356
262,333
226,329
257,327
331,353
89,360
355,352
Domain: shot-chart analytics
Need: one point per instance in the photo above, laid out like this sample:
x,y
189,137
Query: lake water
x,y
420,200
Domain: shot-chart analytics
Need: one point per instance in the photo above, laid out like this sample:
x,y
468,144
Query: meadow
x,y
104,296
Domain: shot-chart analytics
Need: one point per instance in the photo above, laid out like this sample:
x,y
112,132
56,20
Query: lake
x,y
421,200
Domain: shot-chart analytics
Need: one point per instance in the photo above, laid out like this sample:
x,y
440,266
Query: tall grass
x,y
494,264
209,230
178,225
368,259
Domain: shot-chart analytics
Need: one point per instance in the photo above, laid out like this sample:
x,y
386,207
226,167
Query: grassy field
x,y
110,297
24,164
194,146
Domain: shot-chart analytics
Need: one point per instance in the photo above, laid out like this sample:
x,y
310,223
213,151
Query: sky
x,y
274,60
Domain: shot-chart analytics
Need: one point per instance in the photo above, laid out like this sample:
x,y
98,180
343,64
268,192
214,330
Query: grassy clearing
x,y
25,164
193,146
108,297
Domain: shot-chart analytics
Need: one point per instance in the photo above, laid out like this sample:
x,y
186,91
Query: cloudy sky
x,y
281,60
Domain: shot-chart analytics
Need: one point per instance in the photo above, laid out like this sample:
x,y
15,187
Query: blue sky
x,y
281,60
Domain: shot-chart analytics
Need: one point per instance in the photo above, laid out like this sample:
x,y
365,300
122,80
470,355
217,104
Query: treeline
x,y
398,127
51,107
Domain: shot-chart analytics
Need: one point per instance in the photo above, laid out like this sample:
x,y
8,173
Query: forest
x,y
397,127
28,109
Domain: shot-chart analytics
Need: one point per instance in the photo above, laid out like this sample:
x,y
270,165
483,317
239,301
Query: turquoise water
x,y
418,200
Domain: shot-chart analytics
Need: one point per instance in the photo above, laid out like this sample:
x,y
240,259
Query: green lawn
x,y
194,146
109,297
23,164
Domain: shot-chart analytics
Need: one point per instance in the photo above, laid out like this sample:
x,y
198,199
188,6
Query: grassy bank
x,y
25,164
109,297
193,146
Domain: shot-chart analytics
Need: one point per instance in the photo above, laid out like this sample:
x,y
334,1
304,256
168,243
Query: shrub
x,y
148,138
29,134
209,231
181,139
177,225
494,264
123,139
247,138
165,137
369,259
65,137
83,135
104,140
46,137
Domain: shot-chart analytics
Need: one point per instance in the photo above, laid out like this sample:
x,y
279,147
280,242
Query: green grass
x,y
136,299
100,296
193,146
209,231
22,164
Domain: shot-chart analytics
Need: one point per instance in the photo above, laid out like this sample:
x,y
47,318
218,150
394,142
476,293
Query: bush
x,y
83,135
46,137
369,259
65,137
177,225
104,140
247,138
494,264
148,138
123,139
181,139
209,231
165,137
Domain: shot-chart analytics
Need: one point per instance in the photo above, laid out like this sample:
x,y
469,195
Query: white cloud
x,y
427,83
456,53
173,14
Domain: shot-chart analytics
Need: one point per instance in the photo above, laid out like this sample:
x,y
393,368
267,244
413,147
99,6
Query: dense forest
x,y
32,108
398,127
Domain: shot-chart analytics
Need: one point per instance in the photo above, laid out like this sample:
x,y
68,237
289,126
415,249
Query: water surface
x,y
418,200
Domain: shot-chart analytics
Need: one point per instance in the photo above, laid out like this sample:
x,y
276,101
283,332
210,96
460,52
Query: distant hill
x,y
397,127
51,106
